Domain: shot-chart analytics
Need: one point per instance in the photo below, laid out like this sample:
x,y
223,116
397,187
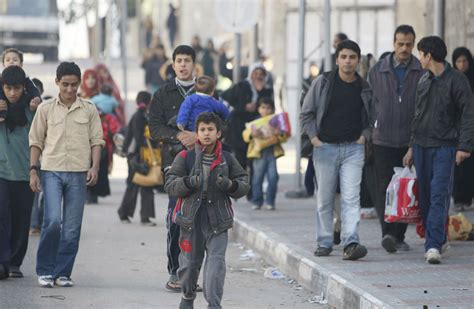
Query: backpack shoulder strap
x,y
228,158
190,158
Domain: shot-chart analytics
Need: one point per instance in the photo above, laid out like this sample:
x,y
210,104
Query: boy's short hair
x,y
143,97
348,44
184,50
341,36
38,85
106,89
404,29
13,75
207,118
433,45
12,50
266,101
205,84
68,68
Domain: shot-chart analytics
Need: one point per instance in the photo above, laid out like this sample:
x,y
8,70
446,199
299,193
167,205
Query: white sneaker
x,y
46,281
269,207
64,282
433,256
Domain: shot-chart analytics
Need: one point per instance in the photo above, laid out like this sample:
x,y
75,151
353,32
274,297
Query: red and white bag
x,y
401,203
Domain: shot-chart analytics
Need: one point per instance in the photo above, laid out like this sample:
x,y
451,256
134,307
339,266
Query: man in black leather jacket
x,y
442,135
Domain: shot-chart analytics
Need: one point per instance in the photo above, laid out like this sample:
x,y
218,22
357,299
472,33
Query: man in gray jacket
x,y
393,80
442,135
336,118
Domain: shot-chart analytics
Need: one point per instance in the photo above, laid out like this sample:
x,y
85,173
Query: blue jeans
x,y
435,173
266,165
64,199
335,163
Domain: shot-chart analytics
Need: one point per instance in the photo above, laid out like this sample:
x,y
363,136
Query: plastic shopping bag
x,y
401,203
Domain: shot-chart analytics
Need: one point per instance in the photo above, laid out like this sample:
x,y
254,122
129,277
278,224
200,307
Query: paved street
x,y
124,266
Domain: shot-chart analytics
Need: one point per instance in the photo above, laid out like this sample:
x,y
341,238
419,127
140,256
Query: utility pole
x,y
237,58
327,36
123,47
439,18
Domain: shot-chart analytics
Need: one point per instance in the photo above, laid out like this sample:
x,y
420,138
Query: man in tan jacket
x,y
67,133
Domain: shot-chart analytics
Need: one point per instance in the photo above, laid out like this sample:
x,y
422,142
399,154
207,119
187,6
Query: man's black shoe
x,y
354,252
322,251
15,272
389,243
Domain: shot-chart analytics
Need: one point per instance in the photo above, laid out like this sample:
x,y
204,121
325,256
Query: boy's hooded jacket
x,y
218,204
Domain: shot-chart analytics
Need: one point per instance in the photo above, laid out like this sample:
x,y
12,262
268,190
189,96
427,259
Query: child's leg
x,y
214,268
259,168
272,177
192,245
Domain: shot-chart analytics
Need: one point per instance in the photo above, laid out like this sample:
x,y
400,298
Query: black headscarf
x,y
16,116
463,51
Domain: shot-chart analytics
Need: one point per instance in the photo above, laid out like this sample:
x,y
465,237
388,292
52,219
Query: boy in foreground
x,y
204,179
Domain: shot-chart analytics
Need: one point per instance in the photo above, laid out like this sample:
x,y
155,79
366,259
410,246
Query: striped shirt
x,y
207,160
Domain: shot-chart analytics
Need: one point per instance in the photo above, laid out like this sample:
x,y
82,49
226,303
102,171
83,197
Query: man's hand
x,y
408,158
35,183
34,103
361,140
461,156
92,176
223,183
3,105
251,107
316,142
187,138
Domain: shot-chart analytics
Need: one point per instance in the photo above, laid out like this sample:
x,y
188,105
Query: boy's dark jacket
x,y
219,207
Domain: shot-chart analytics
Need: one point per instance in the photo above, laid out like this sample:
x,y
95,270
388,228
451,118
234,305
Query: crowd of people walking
x,y
205,146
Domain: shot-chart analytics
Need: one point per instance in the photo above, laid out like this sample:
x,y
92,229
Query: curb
x,y
338,291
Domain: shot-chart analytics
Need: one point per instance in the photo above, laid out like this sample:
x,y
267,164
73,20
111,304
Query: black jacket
x,y
164,106
444,112
238,96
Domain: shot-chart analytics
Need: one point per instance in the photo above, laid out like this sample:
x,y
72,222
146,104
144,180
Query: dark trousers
x,y
16,200
385,159
172,239
463,190
310,178
435,173
129,202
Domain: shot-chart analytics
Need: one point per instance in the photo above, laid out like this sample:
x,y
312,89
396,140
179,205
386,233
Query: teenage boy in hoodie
x,y
204,179
16,197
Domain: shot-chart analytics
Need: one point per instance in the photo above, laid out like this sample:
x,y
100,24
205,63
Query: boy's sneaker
x,y
46,281
322,251
270,207
354,252
256,207
64,282
433,256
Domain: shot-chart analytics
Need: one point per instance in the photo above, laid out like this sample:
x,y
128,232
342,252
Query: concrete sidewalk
x,y
286,238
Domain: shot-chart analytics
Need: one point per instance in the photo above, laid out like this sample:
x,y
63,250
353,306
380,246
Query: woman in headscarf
x,y
463,190
90,84
104,77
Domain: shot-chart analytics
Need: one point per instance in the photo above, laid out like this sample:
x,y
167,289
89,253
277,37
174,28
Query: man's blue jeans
x,y
266,165
435,172
64,199
335,163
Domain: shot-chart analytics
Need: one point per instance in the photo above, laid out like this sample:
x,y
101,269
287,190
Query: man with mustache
x,y
393,80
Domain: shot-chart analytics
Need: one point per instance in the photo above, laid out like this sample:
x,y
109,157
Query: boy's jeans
x,y
266,165
435,173
194,244
333,163
64,199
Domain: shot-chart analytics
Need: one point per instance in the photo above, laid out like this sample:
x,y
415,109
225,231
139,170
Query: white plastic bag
x,y
401,203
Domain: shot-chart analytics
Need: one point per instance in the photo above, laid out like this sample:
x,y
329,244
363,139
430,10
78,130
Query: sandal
x,y
173,286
